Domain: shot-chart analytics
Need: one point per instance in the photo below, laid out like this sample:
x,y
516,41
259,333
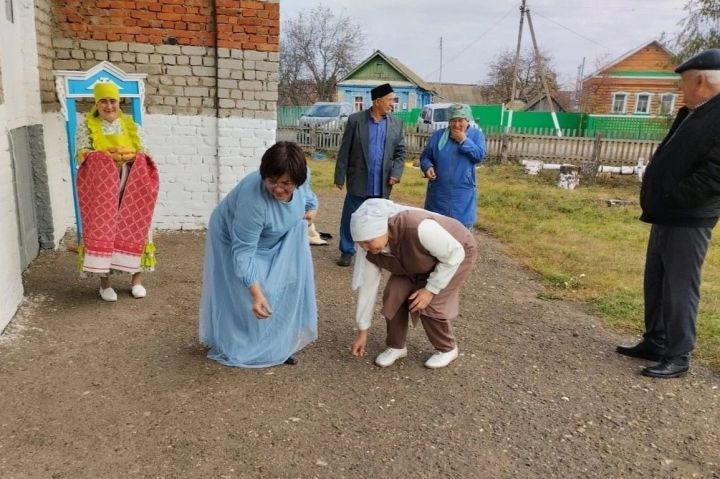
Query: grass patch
x,y
583,249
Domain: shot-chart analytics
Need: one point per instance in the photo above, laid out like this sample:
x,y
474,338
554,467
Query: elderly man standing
x,y
680,197
371,160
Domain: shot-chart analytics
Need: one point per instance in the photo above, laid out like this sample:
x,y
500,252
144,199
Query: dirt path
x,y
98,390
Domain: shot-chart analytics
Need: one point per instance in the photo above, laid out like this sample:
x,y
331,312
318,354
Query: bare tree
x,y
317,48
497,87
699,30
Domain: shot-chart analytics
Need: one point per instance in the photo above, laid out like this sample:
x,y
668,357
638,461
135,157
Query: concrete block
x,y
117,46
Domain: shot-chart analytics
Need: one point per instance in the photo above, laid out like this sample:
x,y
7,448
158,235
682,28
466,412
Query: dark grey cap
x,y
707,60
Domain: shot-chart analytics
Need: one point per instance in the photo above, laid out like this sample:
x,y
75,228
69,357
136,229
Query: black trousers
x,y
673,265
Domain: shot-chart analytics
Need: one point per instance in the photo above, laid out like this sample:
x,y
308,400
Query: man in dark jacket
x,y
680,197
371,160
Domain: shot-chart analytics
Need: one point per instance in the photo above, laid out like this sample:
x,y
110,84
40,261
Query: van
x,y
435,116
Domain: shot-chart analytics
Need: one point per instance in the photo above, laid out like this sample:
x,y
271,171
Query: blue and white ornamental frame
x,y
74,85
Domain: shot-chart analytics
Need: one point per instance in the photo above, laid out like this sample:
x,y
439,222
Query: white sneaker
x,y
389,356
108,294
138,291
440,359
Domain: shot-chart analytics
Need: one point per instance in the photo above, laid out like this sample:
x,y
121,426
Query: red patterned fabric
x,y
115,228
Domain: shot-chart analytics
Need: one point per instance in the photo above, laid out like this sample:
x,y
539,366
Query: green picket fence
x,y
288,116
494,119
627,127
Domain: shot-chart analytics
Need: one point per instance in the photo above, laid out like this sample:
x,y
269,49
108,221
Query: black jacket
x,y
681,185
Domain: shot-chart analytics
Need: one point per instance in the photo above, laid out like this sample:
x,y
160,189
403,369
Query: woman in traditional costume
x,y
448,162
117,185
258,300
429,257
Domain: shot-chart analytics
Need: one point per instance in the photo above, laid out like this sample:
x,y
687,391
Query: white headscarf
x,y
370,221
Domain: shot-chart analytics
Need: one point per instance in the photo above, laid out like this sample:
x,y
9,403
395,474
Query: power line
x,y
571,30
431,74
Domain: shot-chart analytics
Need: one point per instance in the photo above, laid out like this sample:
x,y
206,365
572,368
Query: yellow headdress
x,y
106,90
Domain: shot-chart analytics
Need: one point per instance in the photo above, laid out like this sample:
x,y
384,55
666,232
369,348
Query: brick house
x,y
209,112
639,83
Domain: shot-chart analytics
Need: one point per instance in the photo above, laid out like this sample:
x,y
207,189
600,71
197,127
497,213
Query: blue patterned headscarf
x,y
456,110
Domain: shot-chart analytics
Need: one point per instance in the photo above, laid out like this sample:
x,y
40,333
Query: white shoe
x,y
138,291
440,359
108,294
389,356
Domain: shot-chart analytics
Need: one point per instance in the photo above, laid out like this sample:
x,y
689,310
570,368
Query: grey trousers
x,y
675,255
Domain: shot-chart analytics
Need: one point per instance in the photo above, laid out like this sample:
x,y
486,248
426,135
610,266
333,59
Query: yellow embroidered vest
x,y
102,142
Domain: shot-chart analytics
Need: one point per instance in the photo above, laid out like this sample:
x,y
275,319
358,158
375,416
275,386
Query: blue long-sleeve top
x,y
454,192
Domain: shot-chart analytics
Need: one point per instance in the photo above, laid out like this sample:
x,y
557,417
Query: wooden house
x,y
639,83
541,103
457,93
410,90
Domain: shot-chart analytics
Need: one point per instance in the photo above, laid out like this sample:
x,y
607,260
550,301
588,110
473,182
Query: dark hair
x,y
284,157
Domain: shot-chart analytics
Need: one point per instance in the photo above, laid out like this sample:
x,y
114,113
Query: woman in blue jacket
x,y
448,162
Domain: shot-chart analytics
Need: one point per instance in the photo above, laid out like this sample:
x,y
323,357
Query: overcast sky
x,y
475,31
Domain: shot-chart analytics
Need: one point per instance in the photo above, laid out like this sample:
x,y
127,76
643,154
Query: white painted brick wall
x,y
21,107
242,143
185,149
58,171
11,289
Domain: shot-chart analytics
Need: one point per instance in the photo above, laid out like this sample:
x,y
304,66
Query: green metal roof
x,y
643,73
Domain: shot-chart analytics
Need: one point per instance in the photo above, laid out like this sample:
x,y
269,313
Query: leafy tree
x,y
699,30
317,48
497,87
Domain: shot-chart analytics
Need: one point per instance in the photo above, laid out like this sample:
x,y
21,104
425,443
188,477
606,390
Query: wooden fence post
x,y
504,147
591,166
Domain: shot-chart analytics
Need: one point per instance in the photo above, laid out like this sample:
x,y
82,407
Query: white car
x,y
325,113
435,116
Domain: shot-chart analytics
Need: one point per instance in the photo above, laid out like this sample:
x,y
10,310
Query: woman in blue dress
x,y
448,162
258,300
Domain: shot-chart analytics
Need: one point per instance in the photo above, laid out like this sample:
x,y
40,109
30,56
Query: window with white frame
x,y
396,104
642,103
358,103
666,104
619,102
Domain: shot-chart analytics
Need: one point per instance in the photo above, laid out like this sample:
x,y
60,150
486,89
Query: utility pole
x,y
540,64
440,79
524,11
579,86
513,91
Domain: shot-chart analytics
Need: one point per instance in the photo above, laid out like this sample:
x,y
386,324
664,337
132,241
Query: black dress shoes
x,y
667,369
291,361
345,260
641,350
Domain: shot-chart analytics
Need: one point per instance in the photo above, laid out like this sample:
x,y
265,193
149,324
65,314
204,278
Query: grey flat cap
x,y
707,60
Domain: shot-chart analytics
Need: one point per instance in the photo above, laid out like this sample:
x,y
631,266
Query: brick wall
x,y
181,79
10,272
173,42
43,30
242,24
202,146
192,177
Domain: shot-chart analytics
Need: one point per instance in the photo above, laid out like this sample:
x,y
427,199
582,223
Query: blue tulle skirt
x,y
227,324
